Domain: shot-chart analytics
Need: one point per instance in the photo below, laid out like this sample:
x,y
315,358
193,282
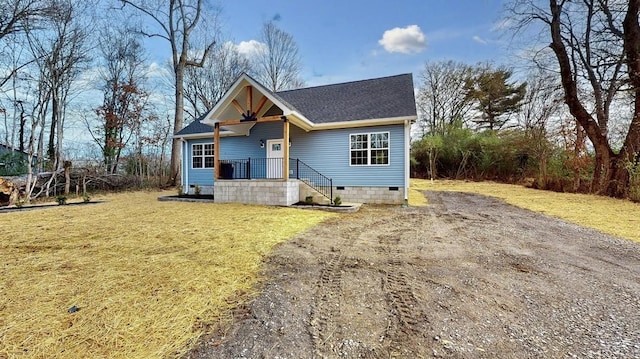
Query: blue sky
x,y
340,40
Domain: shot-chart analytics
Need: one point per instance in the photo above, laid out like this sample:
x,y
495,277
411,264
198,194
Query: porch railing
x,y
251,168
265,168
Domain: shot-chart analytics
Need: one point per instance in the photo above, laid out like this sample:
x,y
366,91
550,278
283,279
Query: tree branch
x,y
150,14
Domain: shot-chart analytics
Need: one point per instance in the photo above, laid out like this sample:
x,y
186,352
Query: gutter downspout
x,y
407,161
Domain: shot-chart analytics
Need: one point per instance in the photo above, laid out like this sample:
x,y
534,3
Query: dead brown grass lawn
x,y
148,277
613,216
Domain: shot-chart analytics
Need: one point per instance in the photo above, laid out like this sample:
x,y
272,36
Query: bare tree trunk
x,y
577,153
619,184
84,182
177,126
582,116
51,150
433,155
23,124
67,177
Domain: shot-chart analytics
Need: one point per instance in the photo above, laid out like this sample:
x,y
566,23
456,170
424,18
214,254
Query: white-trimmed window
x,y
202,155
367,149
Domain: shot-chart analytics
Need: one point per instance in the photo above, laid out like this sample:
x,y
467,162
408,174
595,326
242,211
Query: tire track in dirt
x,y
398,305
327,304
327,335
405,317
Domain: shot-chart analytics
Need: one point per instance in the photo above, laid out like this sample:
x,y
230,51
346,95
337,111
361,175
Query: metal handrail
x,y
251,168
314,179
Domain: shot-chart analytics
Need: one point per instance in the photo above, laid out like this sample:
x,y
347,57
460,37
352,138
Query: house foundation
x,y
371,195
357,194
203,189
262,192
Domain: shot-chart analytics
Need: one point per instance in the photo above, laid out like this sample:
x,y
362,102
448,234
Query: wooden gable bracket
x,y
248,114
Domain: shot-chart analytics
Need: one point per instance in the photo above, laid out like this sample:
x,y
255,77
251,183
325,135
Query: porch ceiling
x,y
242,129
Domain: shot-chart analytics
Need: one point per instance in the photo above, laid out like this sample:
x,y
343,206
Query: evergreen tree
x,y
496,98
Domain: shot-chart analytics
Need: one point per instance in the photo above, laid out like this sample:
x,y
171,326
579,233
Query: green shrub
x,y
308,200
197,190
337,201
634,178
86,198
62,200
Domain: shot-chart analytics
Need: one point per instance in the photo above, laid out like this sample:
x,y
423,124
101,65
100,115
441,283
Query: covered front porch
x,y
272,177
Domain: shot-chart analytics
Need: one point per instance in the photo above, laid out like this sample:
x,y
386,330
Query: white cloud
x,y
501,25
480,40
250,48
156,70
405,40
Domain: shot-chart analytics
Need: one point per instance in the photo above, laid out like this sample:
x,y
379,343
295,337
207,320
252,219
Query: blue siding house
x,y
13,162
349,140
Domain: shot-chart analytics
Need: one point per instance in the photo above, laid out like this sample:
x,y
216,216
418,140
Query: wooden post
x,y
216,151
285,154
249,99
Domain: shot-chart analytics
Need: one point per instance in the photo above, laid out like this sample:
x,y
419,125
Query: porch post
x,y
216,151
285,154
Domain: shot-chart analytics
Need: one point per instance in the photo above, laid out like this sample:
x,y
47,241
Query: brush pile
x,y
8,192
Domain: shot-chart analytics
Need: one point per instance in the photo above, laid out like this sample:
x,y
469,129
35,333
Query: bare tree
x,y
542,101
442,98
39,109
177,21
15,17
596,44
13,59
205,86
541,105
59,51
278,63
63,55
124,99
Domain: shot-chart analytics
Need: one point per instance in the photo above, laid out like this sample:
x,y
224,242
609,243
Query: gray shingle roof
x,y
386,97
195,127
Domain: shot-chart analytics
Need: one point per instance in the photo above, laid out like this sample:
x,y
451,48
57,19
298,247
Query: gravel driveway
x,y
466,277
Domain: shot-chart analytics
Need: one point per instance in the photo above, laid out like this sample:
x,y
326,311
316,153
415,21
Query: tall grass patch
x,y
132,277
617,217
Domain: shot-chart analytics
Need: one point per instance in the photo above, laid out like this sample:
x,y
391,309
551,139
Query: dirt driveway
x,y
466,277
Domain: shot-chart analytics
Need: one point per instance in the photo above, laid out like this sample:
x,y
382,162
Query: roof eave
x,y
299,120
364,123
196,136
